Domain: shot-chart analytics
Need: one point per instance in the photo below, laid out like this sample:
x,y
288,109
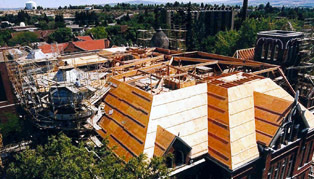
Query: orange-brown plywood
x,y
126,118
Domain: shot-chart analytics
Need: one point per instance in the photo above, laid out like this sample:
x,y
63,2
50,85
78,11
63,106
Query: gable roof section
x,y
84,38
163,141
270,112
82,45
231,123
126,119
267,86
53,48
91,44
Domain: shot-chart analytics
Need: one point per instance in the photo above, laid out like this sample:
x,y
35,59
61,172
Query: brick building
x,y
7,98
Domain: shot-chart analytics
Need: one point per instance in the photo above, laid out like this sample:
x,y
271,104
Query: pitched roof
x,y
83,45
231,125
163,140
84,38
91,44
53,48
125,121
226,118
44,33
269,114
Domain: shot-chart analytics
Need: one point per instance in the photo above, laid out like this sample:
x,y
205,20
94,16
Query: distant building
x,y
88,8
79,46
30,5
76,29
5,24
215,18
23,27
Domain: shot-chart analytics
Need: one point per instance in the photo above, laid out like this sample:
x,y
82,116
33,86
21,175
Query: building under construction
x,y
59,93
220,117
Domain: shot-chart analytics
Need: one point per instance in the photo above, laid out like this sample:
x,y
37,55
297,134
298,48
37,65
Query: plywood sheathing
x,y
182,112
269,114
162,142
231,124
218,124
125,122
267,86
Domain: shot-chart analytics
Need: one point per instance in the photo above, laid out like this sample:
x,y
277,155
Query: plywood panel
x,y
126,119
163,141
182,112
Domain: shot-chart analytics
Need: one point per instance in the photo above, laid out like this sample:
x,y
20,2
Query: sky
x,y
57,3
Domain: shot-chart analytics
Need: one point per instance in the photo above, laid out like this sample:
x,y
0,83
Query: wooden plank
x,y
138,62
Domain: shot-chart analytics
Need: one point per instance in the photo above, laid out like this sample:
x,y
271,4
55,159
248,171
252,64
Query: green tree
x,y
249,29
59,158
51,25
5,35
15,129
98,32
61,35
23,38
43,25
226,42
59,21
12,126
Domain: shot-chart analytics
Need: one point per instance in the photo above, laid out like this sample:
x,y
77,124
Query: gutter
x,y
186,167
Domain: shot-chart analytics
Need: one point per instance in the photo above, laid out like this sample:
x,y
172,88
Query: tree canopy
x,y
61,35
98,32
60,158
24,38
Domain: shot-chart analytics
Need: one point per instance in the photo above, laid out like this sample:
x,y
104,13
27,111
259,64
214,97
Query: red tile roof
x,y
91,44
84,38
83,45
49,48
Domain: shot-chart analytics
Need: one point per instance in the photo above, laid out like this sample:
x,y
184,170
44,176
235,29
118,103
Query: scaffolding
x,y
65,92
55,96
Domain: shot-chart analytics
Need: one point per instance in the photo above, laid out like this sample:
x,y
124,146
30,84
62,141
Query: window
x,y
3,96
269,52
277,170
276,51
302,155
290,166
270,172
308,155
283,168
263,51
